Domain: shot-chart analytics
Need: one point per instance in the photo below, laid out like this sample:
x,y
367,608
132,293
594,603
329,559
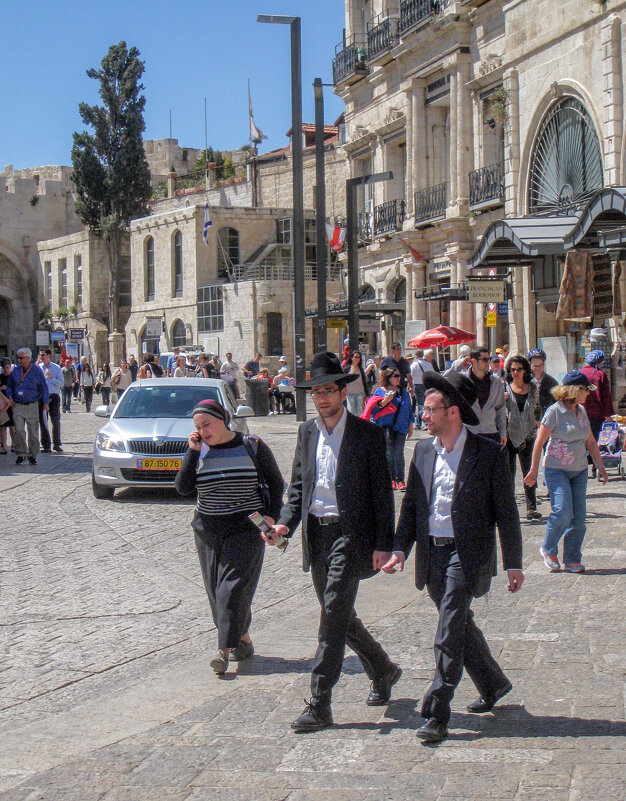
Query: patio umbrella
x,y
441,336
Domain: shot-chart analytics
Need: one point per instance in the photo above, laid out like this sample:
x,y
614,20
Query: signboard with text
x,y
76,334
333,322
503,309
42,337
487,291
491,319
57,336
154,326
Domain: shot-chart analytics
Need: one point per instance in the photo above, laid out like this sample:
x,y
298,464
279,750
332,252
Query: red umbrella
x,y
441,336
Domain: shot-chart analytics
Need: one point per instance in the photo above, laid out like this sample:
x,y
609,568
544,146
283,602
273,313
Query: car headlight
x,y
104,443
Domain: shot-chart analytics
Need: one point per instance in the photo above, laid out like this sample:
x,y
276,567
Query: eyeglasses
x,y
324,393
395,375
19,358
431,409
517,369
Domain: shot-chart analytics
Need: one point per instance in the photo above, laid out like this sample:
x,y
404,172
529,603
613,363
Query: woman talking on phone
x,y
234,476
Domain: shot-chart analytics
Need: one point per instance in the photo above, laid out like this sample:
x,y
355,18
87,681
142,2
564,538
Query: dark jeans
x,y
54,418
459,643
418,402
106,395
67,398
88,393
339,624
395,453
525,457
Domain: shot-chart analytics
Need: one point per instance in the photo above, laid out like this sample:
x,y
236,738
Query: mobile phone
x,y
261,523
195,436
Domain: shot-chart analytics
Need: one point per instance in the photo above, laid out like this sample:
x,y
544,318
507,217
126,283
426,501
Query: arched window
x,y
177,284
367,292
227,251
179,334
148,262
399,293
566,164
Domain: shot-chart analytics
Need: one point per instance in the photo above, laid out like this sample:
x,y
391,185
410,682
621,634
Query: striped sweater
x,y
227,481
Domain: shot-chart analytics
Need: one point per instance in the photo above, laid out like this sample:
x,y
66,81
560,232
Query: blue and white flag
x,y
207,225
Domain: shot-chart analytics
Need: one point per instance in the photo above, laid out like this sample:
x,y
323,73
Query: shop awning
x,y
521,240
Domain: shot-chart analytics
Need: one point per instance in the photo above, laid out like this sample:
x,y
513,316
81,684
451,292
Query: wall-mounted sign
x,y
492,318
503,309
487,291
333,322
369,326
57,336
154,326
42,337
76,334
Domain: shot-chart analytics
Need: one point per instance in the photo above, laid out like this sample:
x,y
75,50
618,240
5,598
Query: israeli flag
x,y
207,225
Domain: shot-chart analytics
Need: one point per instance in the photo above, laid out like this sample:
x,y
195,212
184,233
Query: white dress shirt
x,y
324,497
444,479
55,382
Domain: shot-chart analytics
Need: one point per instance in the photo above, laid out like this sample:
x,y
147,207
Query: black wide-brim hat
x,y
459,388
325,369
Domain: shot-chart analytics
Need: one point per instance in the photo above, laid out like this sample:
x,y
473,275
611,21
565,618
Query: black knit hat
x,y
212,407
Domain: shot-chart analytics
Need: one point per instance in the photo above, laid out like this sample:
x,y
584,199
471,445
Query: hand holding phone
x,y
270,535
195,441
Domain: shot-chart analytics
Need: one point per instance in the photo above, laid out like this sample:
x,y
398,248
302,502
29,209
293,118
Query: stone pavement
x,y
106,692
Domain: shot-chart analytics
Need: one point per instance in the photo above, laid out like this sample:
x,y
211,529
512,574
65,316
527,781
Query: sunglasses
x,y
517,369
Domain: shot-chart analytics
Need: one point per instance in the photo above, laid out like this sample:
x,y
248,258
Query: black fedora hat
x,y
458,387
326,368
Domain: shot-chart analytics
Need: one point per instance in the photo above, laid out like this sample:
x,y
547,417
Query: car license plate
x,y
159,464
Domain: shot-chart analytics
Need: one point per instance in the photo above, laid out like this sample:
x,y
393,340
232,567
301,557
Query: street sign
x,y
333,322
491,319
42,337
486,291
76,334
57,336
491,307
503,309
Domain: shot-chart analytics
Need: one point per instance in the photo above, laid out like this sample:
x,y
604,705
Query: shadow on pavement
x,y
266,665
519,722
605,571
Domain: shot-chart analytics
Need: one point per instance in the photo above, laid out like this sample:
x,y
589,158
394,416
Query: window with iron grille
x,y
227,251
178,265
149,267
48,271
125,282
274,334
62,282
210,308
78,278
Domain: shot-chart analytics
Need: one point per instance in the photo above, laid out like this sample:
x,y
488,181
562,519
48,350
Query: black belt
x,y
26,403
329,520
443,542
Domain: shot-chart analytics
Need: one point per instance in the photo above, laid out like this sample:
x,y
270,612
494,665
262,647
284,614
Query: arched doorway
x,y
149,344
179,334
18,306
5,327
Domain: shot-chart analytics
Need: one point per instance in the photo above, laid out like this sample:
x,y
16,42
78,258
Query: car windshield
x,y
164,401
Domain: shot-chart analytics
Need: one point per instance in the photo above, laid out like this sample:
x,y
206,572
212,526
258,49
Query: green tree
x,y
111,172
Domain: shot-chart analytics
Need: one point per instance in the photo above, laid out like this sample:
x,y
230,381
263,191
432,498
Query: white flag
x,y
256,134
207,225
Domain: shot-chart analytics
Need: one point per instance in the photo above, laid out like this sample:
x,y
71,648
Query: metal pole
x,y
320,214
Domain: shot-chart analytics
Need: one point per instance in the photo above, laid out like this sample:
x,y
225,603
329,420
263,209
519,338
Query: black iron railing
x,y
350,59
382,36
431,203
389,216
487,183
414,11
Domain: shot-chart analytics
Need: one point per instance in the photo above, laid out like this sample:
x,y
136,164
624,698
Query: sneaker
x,y
401,486
243,651
551,562
219,663
58,450
574,567
394,485
533,514
19,460
32,460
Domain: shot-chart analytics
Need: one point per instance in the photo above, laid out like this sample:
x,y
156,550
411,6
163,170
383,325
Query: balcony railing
x,y
382,36
430,203
414,11
364,225
389,216
487,184
350,59
279,272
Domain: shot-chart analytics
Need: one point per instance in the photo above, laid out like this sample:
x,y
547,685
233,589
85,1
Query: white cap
x,y
283,359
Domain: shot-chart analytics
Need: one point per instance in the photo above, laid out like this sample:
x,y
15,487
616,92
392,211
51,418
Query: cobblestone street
x,y
106,692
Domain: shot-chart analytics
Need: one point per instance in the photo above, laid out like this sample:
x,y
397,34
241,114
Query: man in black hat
x,y
341,493
459,488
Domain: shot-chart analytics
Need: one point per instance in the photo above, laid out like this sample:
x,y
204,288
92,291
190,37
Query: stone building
x,y
36,203
502,121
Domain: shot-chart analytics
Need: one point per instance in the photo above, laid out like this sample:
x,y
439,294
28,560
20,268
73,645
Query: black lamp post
x,y
320,216
298,203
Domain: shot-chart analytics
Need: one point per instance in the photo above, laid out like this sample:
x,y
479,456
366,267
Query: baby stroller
x,y
611,444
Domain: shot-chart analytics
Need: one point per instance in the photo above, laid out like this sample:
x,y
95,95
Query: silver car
x,y
145,438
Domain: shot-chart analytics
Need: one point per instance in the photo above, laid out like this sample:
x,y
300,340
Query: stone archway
x,y
17,323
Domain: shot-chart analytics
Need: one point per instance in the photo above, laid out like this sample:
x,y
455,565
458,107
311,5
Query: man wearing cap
x,y
459,489
340,491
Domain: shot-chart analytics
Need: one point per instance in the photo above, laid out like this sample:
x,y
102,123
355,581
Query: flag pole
x,y
206,154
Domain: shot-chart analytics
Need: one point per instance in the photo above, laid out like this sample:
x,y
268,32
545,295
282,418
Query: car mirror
x,y
102,411
244,411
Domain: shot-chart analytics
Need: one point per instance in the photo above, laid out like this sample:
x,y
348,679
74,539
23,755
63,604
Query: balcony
x,y
389,217
382,37
349,64
279,272
364,226
414,11
486,186
430,204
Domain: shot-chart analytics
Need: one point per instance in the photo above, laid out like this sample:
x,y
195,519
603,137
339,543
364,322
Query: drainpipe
x,y
255,324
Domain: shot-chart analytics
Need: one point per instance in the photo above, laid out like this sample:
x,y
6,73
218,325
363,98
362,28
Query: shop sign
x,y
487,291
76,334
333,322
369,326
42,337
492,318
57,336
154,326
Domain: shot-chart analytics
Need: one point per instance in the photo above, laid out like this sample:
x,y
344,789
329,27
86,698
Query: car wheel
x,y
100,492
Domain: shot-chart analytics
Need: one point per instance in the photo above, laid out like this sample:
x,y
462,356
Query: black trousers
x,y
336,591
525,457
595,424
459,643
54,418
231,565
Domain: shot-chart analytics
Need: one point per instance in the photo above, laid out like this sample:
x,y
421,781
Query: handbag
x,y
251,444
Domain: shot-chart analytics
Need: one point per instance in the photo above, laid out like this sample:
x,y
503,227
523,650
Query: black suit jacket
x,y
483,497
363,488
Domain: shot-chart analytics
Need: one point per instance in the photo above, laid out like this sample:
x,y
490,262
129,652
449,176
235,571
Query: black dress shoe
x,y
59,449
315,717
46,450
32,460
487,704
381,687
433,731
19,460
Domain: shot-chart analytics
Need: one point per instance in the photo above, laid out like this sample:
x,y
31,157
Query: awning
x,y
521,240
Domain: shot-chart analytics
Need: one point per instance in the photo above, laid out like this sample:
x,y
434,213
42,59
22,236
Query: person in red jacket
x,y
599,406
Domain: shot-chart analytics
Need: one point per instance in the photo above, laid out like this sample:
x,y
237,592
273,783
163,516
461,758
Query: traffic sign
x,y
491,307
491,319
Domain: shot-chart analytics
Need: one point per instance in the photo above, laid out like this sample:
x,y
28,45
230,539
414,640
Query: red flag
x,y
417,257
336,237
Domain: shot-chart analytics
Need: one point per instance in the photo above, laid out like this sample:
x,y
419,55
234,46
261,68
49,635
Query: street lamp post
x,y
320,216
353,258
298,203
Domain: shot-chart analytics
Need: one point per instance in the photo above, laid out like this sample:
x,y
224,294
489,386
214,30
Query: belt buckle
x,y
328,521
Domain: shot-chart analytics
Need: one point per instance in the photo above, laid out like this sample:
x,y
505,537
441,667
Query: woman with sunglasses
x,y
390,408
357,389
523,415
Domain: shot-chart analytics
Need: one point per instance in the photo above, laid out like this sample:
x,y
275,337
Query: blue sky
x,y
191,50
